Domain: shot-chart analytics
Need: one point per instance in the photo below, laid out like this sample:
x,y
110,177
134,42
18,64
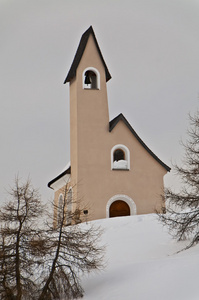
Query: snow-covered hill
x,y
142,263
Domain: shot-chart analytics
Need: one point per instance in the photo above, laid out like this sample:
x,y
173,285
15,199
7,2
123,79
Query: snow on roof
x,y
66,171
66,167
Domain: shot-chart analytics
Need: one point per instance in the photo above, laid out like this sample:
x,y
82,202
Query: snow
x,y
120,164
142,263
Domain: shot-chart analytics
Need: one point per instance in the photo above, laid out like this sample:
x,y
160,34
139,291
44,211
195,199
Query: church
x,y
111,172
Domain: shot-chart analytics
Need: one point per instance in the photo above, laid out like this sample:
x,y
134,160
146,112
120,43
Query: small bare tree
x,y
73,250
182,217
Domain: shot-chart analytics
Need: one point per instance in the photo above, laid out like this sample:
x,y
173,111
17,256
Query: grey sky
x,y
151,48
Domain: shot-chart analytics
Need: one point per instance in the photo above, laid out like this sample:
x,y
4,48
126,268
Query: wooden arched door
x,y
119,208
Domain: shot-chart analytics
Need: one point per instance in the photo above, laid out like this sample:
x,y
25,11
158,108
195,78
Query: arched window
x,y
60,209
91,79
120,158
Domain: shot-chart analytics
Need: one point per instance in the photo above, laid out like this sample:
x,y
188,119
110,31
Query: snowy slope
x,y
142,263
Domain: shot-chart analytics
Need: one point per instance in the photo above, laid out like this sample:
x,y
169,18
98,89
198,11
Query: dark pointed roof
x,y
79,53
120,117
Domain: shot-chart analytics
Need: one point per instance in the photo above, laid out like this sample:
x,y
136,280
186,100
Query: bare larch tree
x,y
18,258
73,251
37,260
182,216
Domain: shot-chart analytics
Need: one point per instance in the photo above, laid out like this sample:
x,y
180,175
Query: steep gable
x,y
80,50
121,117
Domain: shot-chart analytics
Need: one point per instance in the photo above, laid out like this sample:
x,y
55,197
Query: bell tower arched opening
x,y
91,79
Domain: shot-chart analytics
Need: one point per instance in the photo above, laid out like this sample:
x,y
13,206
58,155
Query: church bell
x,y
87,79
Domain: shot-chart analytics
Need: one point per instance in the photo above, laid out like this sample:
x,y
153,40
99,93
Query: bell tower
x,y
89,116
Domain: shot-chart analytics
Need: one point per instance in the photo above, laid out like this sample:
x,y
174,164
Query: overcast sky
x,y
151,48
